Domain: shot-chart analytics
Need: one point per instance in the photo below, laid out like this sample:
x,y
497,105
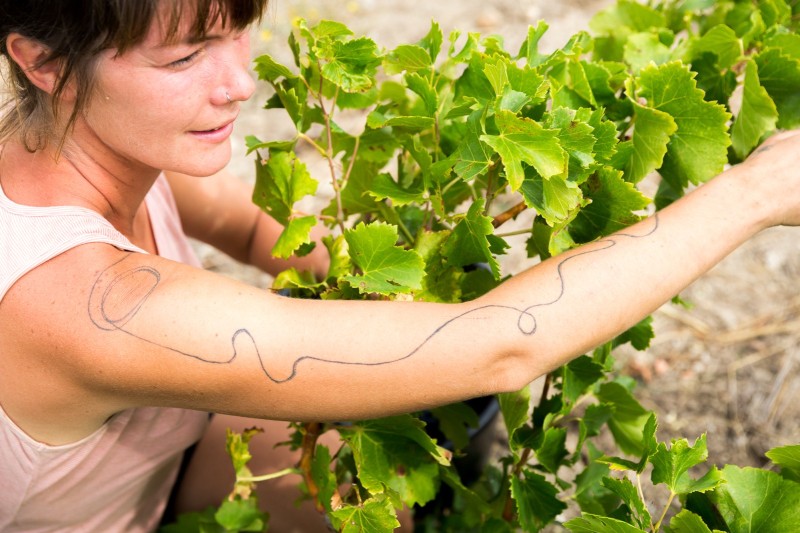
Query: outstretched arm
x,y
150,331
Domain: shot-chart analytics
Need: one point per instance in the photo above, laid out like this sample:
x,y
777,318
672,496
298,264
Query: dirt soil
x,y
729,365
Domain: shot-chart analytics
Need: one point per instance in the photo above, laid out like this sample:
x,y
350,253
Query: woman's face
x,y
170,106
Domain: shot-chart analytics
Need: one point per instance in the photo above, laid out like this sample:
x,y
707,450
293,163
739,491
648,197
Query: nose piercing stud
x,y
228,97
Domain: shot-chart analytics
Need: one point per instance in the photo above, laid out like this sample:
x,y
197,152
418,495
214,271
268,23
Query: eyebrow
x,y
189,39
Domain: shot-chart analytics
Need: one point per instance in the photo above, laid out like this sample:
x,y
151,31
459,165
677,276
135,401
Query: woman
x,y
113,343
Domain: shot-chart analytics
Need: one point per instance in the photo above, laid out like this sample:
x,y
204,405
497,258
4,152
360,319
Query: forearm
x,y
265,234
580,299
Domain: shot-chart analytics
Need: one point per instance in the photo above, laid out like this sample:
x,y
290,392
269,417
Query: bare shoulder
x,y
90,333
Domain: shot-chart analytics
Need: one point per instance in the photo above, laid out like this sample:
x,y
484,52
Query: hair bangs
x,y
179,18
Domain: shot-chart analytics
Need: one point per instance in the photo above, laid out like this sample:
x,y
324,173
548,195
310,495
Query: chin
x,y
203,166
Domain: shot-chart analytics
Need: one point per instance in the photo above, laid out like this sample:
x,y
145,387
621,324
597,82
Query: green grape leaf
x,y
386,268
788,458
407,57
614,206
553,449
757,500
594,417
630,419
377,120
572,80
671,466
651,134
639,335
780,76
473,156
355,195
331,29
475,507
757,117
454,421
537,504
698,150
578,375
468,244
788,43
687,522
323,476
194,522
555,199
396,452
241,515
432,42
591,495
423,88
473,82
515,407
527,81
376,515
775,12
385,187
296,233
589,523
253,143
605,133
718,85
291,278
529,50
521,140
627,14
350,65
238,447
605,78
577,139
495,71
442,281
643,49
281,181
340,263
746,21
722,42
630,496
270,70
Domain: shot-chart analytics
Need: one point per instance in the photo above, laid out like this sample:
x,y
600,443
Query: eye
x,y
186,60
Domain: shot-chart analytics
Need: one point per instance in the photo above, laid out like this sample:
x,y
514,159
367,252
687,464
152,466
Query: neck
x,y
76,177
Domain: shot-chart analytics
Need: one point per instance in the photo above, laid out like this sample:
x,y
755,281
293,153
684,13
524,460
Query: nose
x,y
237,83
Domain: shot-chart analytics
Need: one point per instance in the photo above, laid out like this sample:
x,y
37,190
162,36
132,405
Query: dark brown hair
x,y
75,32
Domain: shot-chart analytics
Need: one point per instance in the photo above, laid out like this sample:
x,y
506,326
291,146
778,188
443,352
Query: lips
x,y
217,134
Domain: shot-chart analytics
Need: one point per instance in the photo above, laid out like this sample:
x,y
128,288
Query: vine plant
x,y
457,138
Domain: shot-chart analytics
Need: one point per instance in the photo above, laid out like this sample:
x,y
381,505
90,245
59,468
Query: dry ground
x,y
729,365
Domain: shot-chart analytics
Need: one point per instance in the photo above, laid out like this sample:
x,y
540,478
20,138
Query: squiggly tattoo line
x,y
114,304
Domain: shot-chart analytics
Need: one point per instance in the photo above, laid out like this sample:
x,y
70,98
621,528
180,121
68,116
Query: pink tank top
x,y
119,478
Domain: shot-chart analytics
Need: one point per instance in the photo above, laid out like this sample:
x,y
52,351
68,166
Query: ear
x,y
29,54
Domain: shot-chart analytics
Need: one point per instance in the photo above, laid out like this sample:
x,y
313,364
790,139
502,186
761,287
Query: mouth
x,y
217,134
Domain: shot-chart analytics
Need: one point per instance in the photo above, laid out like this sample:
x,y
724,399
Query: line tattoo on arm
x,y
117,297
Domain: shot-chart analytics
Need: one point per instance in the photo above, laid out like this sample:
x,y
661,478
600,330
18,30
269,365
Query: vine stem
x,y
494,170
267,477
507,215
508,510
514,233
664,513
313,143
312,431
337,190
